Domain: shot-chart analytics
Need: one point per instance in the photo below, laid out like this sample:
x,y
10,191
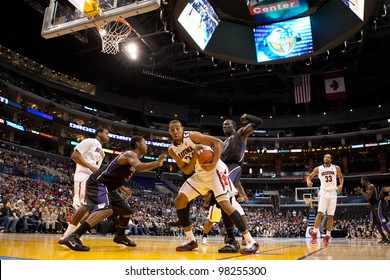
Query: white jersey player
x,y
211,176
327,197
88,155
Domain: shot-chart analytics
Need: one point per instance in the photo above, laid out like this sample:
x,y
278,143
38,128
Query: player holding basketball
x,y
327,197
103,198
88,156
233,155
378,218
212,176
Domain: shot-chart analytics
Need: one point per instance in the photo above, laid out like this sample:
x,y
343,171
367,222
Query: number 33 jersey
x,y
328,177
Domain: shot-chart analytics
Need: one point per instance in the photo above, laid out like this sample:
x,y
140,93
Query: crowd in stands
x,y
15,162
31,204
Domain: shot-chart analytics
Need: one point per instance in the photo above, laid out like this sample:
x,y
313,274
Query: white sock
x,y
190,235
328,232
248,238
71,228
315,230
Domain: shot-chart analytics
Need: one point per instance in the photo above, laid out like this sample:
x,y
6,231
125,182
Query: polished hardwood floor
x,y
45,247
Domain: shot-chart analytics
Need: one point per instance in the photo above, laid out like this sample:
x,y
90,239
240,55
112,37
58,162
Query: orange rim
x,y
121,20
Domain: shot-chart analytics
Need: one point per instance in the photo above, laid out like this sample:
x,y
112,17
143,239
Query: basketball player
x,y
327,197
378,218
88,156
233,155
103,198
212,176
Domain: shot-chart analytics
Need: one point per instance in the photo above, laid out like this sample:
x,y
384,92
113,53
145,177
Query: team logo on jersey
x,y
186,152
100,151
328,172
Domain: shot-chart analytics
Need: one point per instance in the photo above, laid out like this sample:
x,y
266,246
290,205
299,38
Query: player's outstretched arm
x,y
252,123
129,157
147,166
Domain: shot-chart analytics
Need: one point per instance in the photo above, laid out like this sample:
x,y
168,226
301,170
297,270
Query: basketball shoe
x,y
326,240
384,240
189,246
122,239
204,240
251,248
232,246
313,238
72,241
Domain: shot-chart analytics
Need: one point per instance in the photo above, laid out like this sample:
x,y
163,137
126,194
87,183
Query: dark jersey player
x,y
233,151
103,198
378,217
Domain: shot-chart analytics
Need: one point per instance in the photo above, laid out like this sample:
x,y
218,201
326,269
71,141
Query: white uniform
x,y
202,181
327,197
92,152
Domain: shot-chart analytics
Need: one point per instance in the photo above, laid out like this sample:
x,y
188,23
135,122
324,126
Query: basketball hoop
x,y
307,200
112,34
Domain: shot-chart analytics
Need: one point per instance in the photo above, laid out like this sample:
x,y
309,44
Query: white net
x,y
112,34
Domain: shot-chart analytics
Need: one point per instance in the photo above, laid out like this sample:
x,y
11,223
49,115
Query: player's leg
x,y
98,202
214,216
232,246
187,193
235,171
236,218
331,209
380,223
322,205
121,207
80,204
206,229
224,189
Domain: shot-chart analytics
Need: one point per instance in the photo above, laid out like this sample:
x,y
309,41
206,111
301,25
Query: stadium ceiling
x,y
170,69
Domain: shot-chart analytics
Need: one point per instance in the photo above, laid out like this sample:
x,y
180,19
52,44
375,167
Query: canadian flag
x,y
335,85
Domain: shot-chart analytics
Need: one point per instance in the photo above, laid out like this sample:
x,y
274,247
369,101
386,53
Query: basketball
x,y
206,156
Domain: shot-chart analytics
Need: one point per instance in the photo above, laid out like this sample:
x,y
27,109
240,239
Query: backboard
x,y
67,16
301,193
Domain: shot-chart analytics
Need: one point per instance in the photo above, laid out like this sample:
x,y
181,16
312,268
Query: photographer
x,y
377,216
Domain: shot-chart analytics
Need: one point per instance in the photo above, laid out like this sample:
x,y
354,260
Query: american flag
x,y
302,91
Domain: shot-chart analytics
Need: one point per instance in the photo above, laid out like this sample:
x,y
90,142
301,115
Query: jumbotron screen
x,y
283,39
200,21
357,6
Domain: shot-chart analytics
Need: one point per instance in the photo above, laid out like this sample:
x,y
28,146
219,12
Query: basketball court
x,y
45,247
